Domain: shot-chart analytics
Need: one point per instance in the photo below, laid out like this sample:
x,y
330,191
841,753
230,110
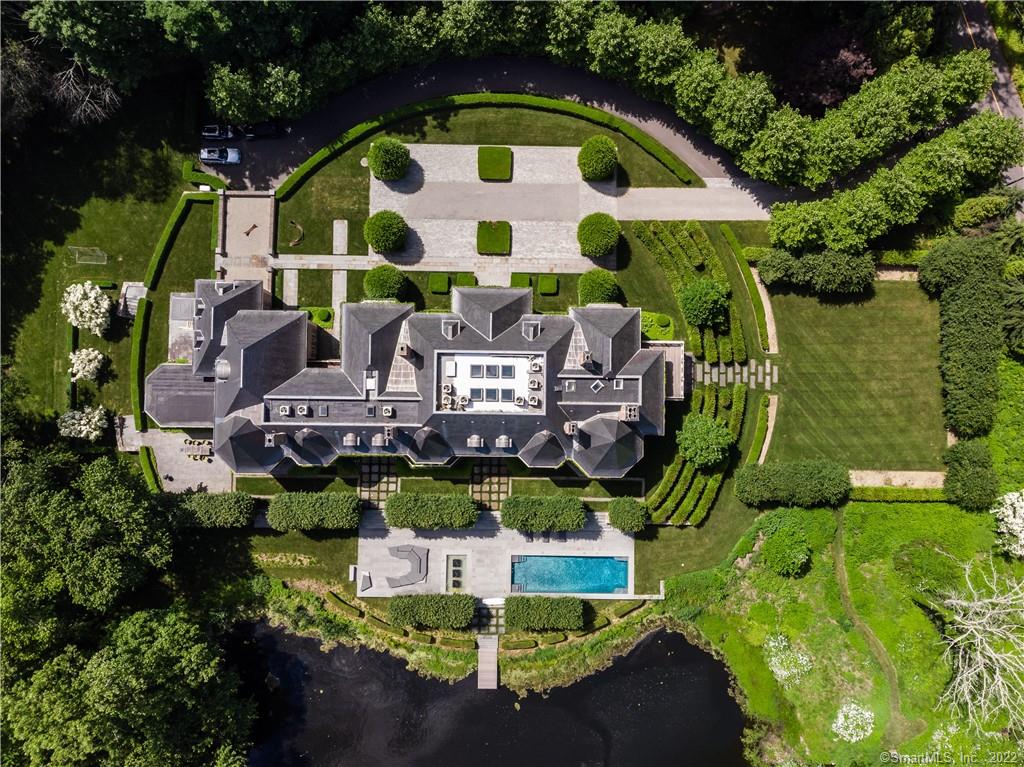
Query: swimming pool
x,y
576,575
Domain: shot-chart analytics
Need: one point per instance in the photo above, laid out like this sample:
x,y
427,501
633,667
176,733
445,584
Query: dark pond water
x,y
666,703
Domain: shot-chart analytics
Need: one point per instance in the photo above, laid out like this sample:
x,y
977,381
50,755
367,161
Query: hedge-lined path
x,y
487,662
755,374
769,315
773,412
266,164
377,480
900,728
489,483
896,274
415,261
916,479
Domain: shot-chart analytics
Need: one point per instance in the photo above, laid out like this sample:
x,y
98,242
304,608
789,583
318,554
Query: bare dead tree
x,y
985,647
84,97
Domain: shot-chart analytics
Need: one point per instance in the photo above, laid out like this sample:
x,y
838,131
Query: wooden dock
x,y
487,662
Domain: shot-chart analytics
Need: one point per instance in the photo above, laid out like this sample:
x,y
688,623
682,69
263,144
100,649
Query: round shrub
x,y
785,552
704,303
627,515
314,511
598,286
704,441
218,509
324,315
978,210
385,231
388,158
971,482
597,158
384,282
598,234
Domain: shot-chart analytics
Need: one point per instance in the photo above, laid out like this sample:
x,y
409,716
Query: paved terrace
x,y
487,550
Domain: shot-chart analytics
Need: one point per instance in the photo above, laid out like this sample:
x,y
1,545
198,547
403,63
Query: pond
x,y
665,703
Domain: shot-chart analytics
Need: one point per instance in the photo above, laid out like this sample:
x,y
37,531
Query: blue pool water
x,y
584,575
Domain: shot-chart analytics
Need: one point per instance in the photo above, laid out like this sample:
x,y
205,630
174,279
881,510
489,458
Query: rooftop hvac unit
x,y
504,441
520,401
446,388
463,400
630,413
387,411
284,409
302,410
535,366
389,433
569,427
446,401
534,383
534,401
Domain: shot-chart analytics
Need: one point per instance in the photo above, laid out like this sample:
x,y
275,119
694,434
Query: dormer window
x,y
531,329
449,328
618,384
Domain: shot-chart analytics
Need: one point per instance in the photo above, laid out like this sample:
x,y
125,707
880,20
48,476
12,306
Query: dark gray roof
x,y
607,447
492,311
428,446
312,383
543,450
176,398
216,302
242,446
369,332
612,335
309,447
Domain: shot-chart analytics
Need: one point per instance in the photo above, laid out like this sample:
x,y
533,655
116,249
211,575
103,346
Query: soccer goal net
x,y
88,255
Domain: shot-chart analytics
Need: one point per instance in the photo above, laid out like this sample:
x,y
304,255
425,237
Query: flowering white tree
x,y
87,423
853,723
85,364
785,663
86,306
1009,511
985,647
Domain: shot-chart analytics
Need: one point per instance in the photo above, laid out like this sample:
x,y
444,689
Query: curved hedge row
x,y
748,280
430,511
360,131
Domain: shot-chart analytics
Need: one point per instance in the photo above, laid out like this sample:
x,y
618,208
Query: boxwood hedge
x,y
536,514
598,286
388,158
314,511
430,511
384,283
436,611
234,509
971,482
543,613
794,483
627,514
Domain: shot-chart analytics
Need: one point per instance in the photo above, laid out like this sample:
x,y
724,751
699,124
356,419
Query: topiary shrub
x,y
384,282
543,613
547,285
435,611
314,511
627,515
971,482
438,283
598,235
430,511
385,231
795,483
978,210
785,551
388,159
705,303
598,286
520,280
217,509
537,514
704,441
598,158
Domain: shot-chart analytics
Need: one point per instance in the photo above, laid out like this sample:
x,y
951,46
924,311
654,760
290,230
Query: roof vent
x,y
586,358
449,328
222,369
596,386
273,439
404,350
569,427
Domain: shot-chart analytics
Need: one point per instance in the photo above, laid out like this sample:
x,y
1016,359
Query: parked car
x,y
268,129
218,132
220,155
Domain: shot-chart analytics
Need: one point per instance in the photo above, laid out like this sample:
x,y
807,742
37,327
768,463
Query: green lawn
x,y
642,280
111,186
859,380
1007,436
315,287
295,555
417,291
341,188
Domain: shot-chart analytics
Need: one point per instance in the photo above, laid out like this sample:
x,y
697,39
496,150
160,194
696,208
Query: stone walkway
x,y
769,313
377,480
489,483
290,288
726,202
773,411
756,375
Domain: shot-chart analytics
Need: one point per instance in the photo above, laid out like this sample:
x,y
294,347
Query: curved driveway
x,y
268,163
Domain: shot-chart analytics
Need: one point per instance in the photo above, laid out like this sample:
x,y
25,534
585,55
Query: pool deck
x,y
487,548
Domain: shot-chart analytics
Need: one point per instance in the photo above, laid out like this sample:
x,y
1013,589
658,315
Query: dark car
x,y
218,132
268,129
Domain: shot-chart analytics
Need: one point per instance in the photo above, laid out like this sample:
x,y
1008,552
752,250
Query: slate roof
x,y
267,405
216,302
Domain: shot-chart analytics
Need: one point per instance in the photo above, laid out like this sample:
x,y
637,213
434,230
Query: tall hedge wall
x,y
234,509
430,511
793,483
314,511
435,611
543,613
537,514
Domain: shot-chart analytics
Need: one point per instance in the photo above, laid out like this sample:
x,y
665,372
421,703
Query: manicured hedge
x,y
598,235
748,279
439,283
520,280
457,644
597,158
147,462
465,280
193,176
435,611
314,511
361,131
218,509
826,272
388,159
598,623
377,623
517,644
898,494
978,210
555,637
429,511
543,613
547,285
494,163
971,482
537,514
385,231
705,303
337,602
795,483
166,241
138,361
598,286
627,514
625,608
493,238
384,283
656,326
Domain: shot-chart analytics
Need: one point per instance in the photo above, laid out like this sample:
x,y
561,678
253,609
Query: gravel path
x,y
917,479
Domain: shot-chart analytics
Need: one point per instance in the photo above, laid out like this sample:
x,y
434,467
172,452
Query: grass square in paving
x,y
859,380
493,238
494,163
315,287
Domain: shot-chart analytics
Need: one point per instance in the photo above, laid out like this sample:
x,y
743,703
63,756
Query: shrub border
x,y
748,279
138,361
197,177
171,228
360,131
147,462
